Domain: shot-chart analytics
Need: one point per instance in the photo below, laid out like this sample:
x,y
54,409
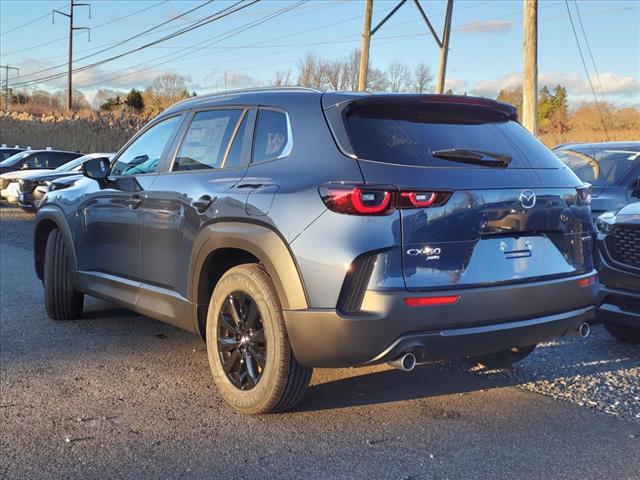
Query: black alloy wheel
x,y
241,341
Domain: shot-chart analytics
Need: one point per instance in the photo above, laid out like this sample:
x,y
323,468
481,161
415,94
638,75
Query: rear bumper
x,y
484,320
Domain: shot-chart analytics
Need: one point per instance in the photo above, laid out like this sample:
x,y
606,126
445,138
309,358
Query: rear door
x,y
520,221
198,187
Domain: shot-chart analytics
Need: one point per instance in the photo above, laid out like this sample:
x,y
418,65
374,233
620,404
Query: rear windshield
x,y
600,166
408,136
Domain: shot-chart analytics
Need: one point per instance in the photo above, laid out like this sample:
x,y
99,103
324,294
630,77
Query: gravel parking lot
x,y
117,395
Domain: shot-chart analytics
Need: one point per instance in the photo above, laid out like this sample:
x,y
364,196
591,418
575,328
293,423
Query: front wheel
x,y
61,300
249,353
624,333
502,359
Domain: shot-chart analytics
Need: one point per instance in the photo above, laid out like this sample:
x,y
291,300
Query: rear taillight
x,y
584,194
377,200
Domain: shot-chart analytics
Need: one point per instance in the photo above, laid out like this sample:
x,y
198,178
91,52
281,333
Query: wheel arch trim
x,y
50,213
260,241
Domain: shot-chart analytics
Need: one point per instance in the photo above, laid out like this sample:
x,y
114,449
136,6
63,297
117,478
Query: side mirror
x,y
635,188
24,166
97,168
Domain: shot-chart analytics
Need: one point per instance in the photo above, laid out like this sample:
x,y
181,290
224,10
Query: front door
x,y
108,230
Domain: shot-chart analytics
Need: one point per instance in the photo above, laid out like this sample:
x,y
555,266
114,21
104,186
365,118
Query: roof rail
x,y
250,90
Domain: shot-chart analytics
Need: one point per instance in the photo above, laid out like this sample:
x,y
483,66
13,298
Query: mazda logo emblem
x,y
527,199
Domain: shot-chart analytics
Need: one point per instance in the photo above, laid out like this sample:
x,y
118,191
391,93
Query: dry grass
x,y
84,133
584,135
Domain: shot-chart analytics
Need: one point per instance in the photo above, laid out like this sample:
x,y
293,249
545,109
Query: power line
x,y
225,36
117,19
586,40
27,23
200,23
117,44
584,64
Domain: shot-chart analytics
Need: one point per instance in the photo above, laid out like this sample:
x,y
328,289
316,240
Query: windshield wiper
x,y
474,157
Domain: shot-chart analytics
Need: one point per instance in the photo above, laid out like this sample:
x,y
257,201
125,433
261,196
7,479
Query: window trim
x,y
141,132
288,147
183,134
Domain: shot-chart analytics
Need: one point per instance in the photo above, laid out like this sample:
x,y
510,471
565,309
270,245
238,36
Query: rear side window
x,y
600,167
408,136
206,141
271,136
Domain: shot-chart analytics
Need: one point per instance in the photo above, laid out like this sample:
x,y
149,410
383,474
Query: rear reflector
x,y
585,282
427,301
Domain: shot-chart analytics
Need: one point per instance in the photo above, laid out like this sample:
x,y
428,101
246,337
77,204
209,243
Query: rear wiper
x,y
474,157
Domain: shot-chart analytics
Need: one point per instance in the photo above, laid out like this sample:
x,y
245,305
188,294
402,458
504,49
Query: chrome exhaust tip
x,y
406,362
583,330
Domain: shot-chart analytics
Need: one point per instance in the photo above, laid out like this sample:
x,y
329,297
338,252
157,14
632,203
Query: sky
x,y
248,47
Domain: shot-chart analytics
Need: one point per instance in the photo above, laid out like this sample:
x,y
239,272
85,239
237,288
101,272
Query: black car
x,y
618,262
612,168
294,229
31,159
32,188
6,152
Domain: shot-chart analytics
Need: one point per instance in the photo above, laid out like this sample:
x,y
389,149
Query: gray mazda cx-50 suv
x,y
294,229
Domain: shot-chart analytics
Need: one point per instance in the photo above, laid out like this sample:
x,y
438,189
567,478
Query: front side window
x,y
600,167
271,136
15,159
206,142
144,154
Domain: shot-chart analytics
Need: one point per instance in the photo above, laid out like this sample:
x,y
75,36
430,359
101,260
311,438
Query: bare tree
x,y
422,78
282,79
306,70
398,77
170,87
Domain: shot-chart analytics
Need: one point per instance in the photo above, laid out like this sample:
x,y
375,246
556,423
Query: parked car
x,y
612,168
33,187
6,152
29,161
294,229
618,263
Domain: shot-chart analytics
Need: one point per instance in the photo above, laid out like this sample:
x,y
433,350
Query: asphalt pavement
x,y
118,395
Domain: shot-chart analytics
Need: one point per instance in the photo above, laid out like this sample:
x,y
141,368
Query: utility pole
x,y
368,33
444,48
69,15
530,53
6,84
364,52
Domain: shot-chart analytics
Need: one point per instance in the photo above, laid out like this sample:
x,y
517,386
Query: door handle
x,y
134,201
202,203
251,185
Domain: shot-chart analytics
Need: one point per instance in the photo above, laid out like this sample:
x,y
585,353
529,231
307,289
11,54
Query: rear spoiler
x,y
470,105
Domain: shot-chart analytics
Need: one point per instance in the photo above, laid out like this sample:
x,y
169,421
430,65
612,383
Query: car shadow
x,y
551,362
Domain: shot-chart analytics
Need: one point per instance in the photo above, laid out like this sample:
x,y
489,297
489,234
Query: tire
x,y
281,380
624,333
502,359
61,300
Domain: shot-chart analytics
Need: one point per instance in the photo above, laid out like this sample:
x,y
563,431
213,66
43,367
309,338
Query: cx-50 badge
x,y
527,199
428,252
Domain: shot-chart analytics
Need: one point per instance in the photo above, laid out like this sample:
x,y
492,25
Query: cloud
x,y
458,85
621,88
228,80
485,26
